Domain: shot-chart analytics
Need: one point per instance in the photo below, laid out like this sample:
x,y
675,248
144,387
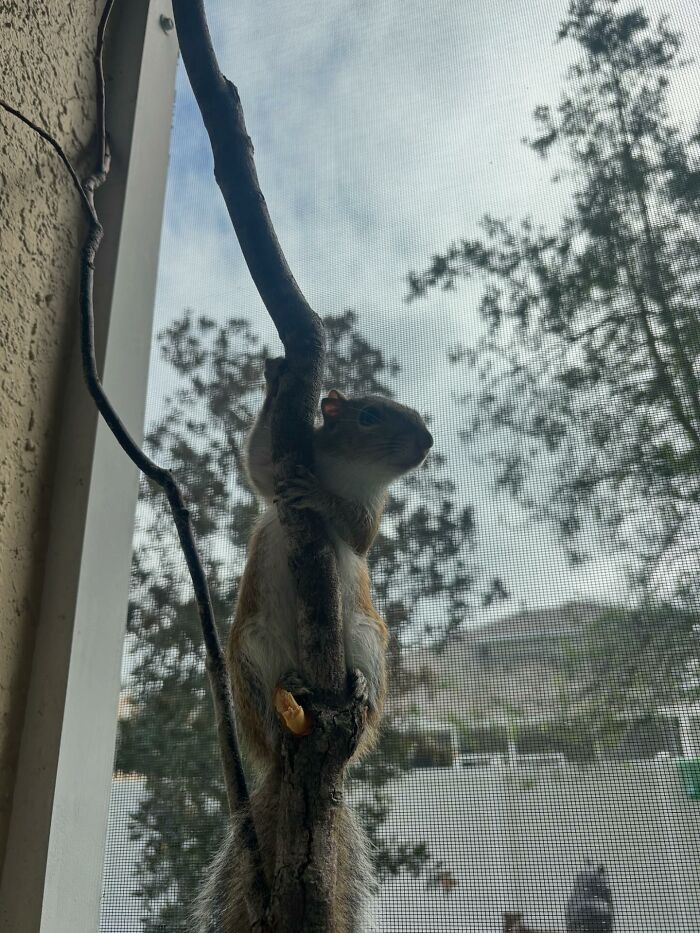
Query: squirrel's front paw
x,y
301,490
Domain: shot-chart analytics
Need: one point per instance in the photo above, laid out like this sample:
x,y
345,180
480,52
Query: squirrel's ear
x,y
332,405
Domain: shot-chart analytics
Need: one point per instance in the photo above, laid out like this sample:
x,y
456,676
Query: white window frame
x,y
52,875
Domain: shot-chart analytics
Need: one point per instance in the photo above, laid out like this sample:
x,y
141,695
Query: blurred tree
x,y
638,661
584,380
421,557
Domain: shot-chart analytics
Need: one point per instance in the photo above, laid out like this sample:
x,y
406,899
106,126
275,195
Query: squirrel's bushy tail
x,y
220,905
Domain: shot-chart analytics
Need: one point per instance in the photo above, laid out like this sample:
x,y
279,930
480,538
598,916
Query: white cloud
x,y
383,131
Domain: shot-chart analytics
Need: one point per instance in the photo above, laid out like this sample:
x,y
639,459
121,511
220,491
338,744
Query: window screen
x,y
496,208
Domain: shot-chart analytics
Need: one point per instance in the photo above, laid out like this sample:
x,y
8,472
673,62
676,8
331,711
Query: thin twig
x,y
216,666
61,154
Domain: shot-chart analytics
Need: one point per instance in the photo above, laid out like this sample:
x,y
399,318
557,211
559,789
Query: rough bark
x,y
312,768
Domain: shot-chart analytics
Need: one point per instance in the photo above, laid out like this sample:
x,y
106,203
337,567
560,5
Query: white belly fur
x,y
270,639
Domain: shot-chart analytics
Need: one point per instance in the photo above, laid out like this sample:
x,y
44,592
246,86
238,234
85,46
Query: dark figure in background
x,y
514,923
590,907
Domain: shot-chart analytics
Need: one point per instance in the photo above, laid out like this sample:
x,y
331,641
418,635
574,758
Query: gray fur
x,y
220,905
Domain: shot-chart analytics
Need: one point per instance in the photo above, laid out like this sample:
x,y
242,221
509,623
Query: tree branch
x,y
55,145
637,184
660,367
312,770
234,168
299,327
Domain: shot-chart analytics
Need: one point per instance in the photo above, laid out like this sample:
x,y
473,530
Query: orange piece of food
x,y
295,719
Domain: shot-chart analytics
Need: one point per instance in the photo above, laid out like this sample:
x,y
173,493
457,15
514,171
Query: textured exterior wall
x,y
46,72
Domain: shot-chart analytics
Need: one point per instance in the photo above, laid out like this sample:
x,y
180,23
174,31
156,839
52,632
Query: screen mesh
x,y
529,283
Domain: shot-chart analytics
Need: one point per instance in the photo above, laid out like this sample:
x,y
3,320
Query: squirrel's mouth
x,y
410,463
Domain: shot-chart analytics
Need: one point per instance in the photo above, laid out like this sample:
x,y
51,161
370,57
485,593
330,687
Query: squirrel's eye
x,y
369,417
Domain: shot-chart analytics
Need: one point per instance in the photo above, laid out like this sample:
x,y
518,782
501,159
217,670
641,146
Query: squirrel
x,y
362,446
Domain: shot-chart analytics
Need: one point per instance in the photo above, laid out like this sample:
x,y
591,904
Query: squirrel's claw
x,y
359,688
300,491
359,692
295,718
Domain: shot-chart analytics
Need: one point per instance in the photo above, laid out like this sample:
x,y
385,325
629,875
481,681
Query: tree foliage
x,y
422,557
585,376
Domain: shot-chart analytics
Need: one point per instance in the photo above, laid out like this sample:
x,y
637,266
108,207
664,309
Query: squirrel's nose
x,y
427,440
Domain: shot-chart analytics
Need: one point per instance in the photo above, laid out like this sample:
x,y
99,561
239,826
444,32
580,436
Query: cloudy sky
x,y
384,130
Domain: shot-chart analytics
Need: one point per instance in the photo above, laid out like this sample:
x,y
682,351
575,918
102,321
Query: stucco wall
x,y
46,71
